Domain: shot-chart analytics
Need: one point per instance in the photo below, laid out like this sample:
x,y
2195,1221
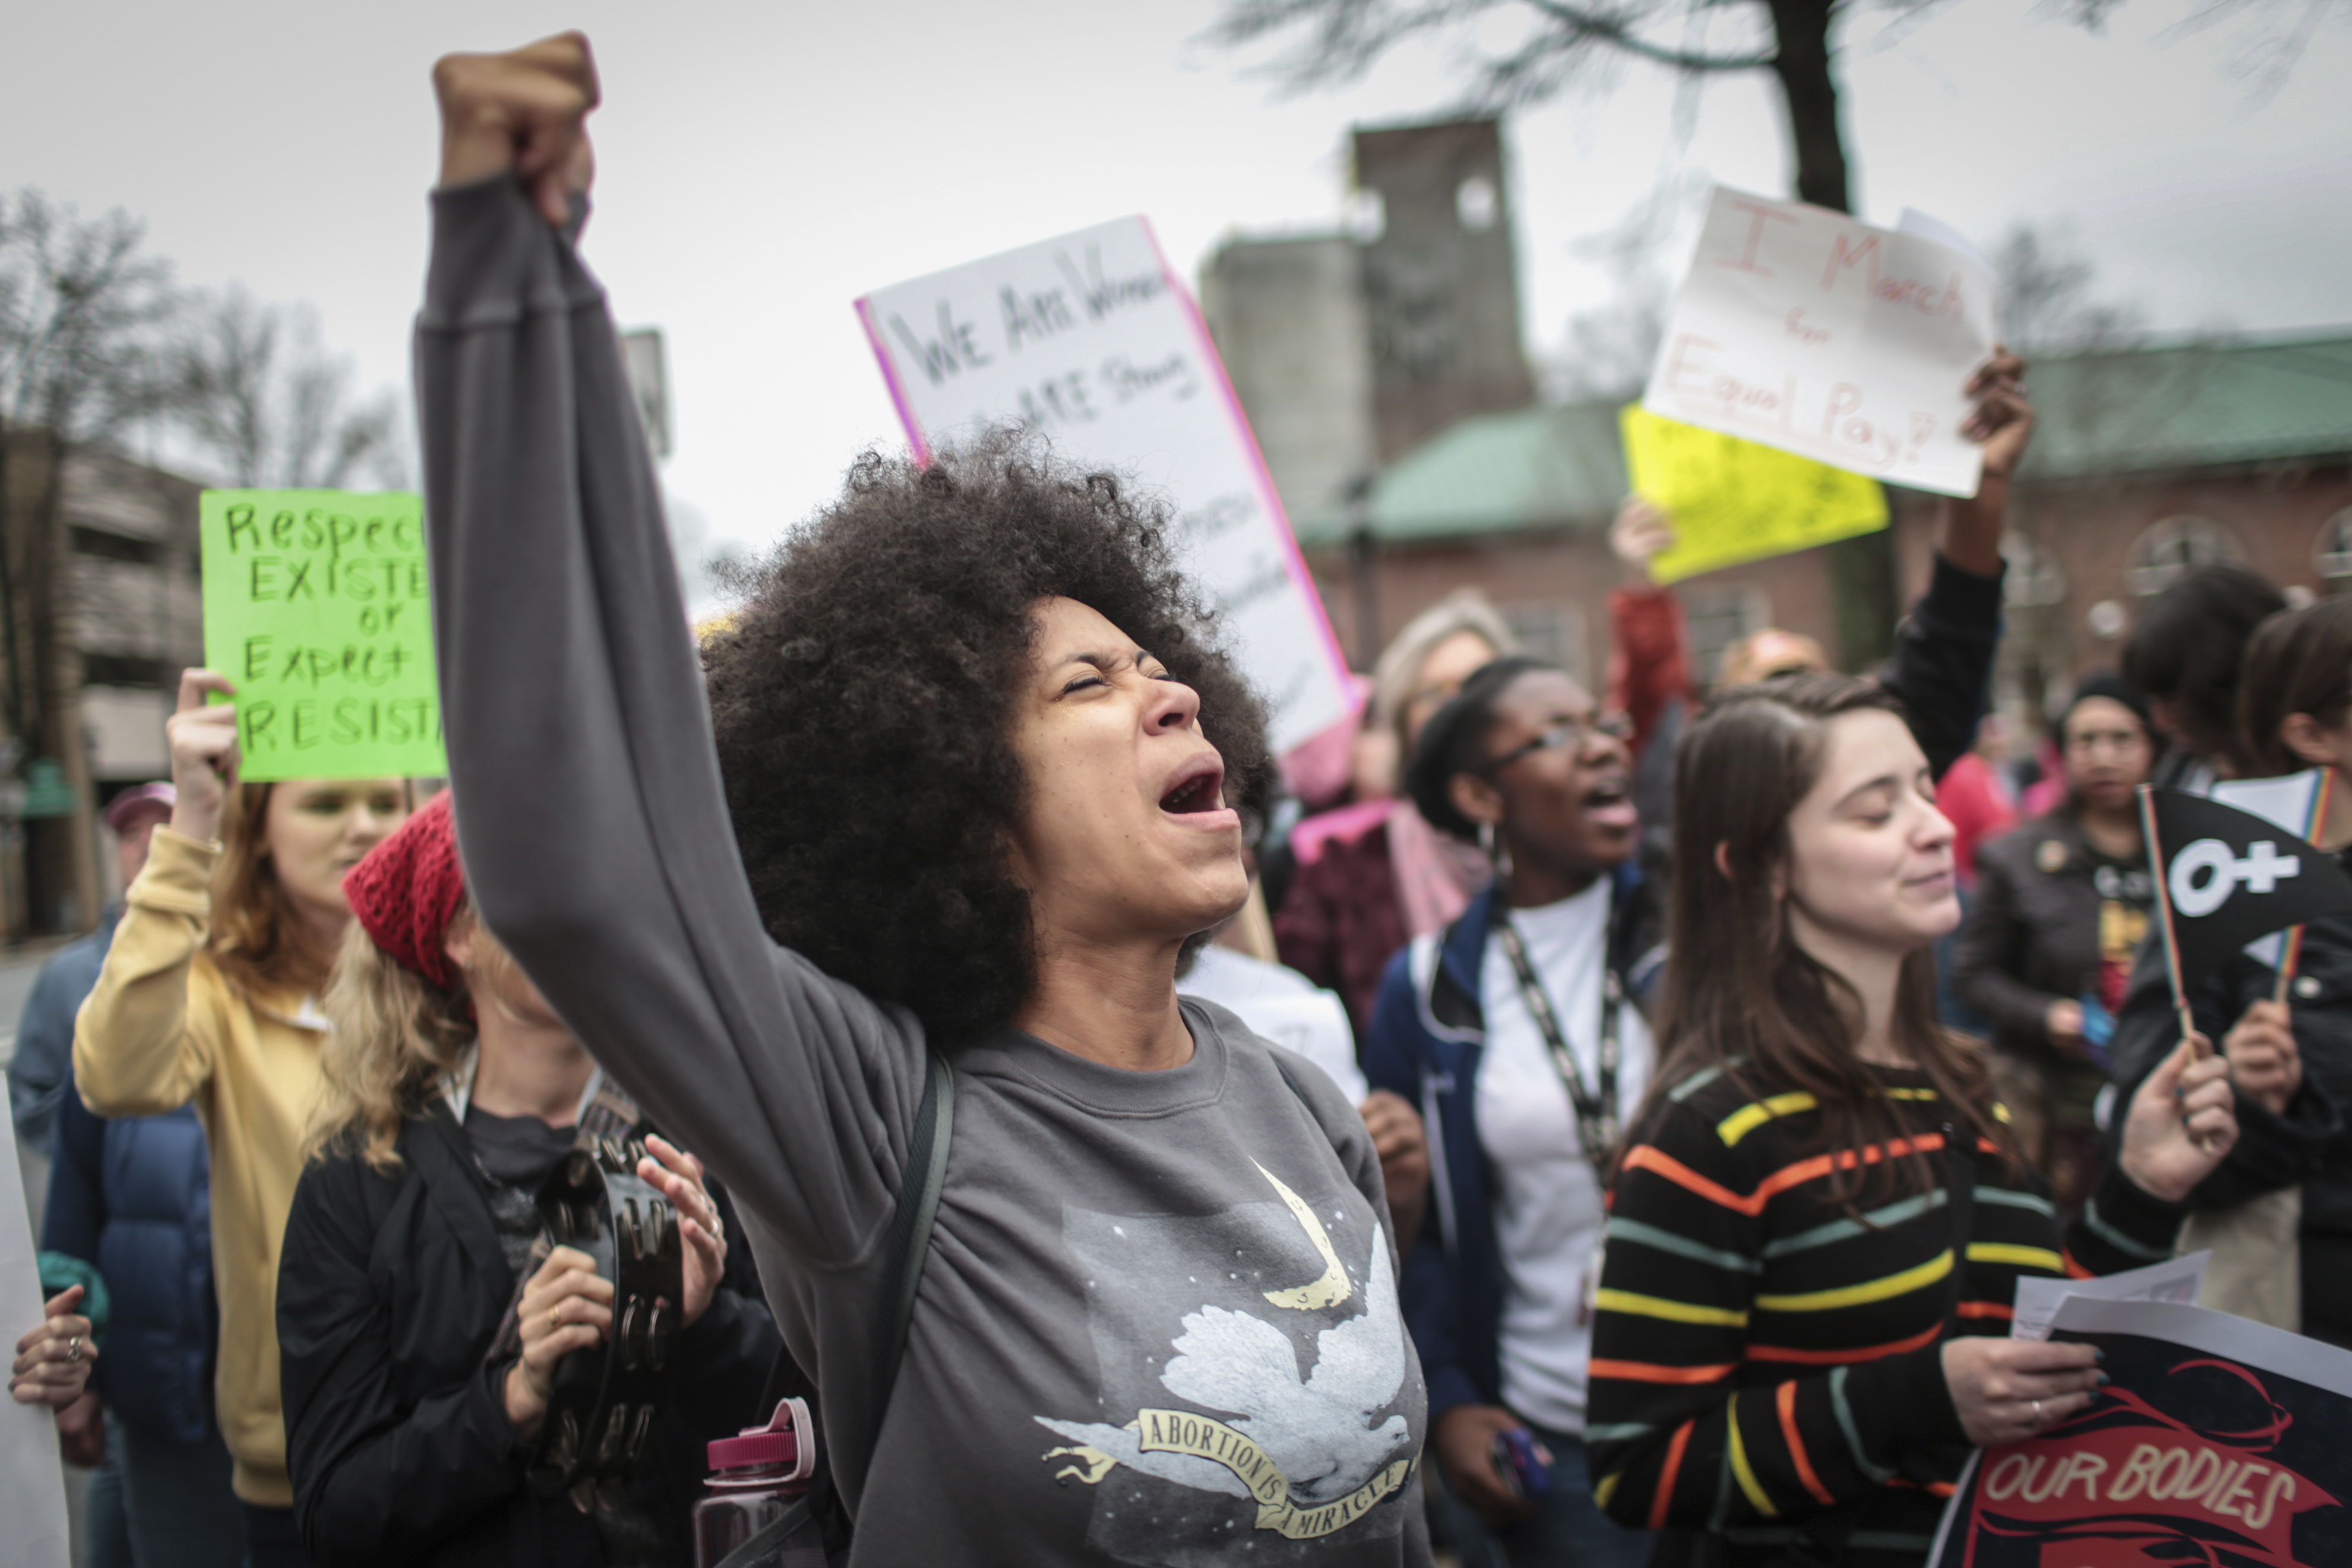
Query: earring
x,y
1491,844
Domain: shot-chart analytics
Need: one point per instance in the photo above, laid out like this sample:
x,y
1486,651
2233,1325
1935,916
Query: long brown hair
x,y
2298,661
1739,995
256,939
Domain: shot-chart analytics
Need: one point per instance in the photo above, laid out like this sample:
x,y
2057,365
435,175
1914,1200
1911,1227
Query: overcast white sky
x,y
763,165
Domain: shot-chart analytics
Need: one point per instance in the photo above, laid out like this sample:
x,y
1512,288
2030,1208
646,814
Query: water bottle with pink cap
x,y
757,1513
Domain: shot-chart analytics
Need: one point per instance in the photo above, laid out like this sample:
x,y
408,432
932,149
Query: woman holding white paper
x,y
1820,1223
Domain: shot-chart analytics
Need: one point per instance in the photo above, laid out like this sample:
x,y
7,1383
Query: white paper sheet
x,y
1092,341
2175,1280
32,1477
1804,330
2225,1334
1926,225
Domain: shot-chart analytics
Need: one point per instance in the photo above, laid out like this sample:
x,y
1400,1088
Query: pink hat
x,y
127,806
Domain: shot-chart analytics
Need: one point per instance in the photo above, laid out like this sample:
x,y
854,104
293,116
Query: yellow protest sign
x,y
1734,501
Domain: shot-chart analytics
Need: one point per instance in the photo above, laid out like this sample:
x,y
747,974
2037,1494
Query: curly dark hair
x,y
863,701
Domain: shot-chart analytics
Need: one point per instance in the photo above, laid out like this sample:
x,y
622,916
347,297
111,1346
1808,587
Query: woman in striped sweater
x,y
1819,1220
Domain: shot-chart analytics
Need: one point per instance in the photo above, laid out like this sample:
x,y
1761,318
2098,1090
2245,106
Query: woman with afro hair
x,y
958,788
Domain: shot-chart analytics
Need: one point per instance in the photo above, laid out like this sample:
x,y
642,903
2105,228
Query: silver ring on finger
x,y
2035,1425
73,1348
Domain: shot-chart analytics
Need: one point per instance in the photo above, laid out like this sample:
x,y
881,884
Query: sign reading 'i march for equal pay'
x,y
1801,329
317,610
1089,340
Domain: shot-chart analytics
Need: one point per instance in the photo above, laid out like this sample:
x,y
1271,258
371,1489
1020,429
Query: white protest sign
x,y
1804,330
1090,340
32,1480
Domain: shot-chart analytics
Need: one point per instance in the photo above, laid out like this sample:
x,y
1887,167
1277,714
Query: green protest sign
x,y
315,609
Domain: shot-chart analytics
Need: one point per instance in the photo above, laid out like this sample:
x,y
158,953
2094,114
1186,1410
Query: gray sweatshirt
x,y
1159,1319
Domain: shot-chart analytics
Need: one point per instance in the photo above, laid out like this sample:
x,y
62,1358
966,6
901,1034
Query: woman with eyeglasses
x,y
1516,1028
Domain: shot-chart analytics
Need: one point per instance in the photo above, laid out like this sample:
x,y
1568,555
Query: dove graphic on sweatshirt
x,y
1318,1430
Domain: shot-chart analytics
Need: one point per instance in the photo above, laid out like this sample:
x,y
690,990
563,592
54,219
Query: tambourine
x,y
600,1414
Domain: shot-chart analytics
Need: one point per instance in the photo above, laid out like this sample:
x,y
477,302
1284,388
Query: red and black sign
x,y
2189,1459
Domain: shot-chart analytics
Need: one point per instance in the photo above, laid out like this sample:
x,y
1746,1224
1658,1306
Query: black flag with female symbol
x,y
2226,877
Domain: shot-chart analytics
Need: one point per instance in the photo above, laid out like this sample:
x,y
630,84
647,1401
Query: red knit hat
x,y
408,889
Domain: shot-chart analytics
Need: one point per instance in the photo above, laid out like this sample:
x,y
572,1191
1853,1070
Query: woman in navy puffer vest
x,y
130,1197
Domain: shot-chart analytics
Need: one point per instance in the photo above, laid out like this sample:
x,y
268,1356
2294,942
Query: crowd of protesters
x,y
1569,1098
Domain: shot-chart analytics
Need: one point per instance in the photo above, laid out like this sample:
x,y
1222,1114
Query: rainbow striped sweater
x,y
1766,1366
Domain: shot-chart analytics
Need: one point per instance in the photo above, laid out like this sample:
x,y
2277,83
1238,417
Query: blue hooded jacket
x,y
132,1195
1427,1036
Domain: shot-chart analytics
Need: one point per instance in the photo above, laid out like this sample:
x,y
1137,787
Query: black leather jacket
x,y
2033,935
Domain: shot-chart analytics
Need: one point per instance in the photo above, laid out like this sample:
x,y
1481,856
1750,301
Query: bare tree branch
x,y
1344,38
80,309
2051,302
253,386
2271,44
1575,26
80,304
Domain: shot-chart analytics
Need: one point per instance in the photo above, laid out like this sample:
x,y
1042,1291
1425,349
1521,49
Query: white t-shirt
x,y
1284,1007
1546,1199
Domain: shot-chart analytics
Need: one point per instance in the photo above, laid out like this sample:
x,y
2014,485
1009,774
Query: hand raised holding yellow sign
x,y
1734,501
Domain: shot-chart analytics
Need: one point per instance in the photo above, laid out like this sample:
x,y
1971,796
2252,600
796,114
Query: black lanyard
x,y
1596,1114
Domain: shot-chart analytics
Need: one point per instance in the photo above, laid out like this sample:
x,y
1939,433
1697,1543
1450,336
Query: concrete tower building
x,y
1441,279
1349,350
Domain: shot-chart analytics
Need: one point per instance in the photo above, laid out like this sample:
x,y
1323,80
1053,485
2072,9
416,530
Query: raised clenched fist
x,y
527,110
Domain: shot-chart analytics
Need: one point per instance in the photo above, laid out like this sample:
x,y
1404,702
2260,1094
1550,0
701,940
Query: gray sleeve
x,y
44,1056
594,828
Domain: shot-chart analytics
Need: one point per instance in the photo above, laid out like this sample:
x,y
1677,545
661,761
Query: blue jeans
x,y
107,1542
183,1513
1569,1530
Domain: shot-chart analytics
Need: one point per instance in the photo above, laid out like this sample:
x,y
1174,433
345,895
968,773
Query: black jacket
x,y
1942,662
2310,1144
2032,936
392,1290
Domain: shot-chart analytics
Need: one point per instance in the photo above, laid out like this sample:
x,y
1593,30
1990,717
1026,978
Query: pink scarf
x,y
1437,875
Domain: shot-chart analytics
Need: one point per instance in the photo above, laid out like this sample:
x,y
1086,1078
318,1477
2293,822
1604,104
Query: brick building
x,y
2145,461
103,608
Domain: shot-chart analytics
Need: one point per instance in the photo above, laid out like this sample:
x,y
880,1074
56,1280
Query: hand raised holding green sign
x,y
317,609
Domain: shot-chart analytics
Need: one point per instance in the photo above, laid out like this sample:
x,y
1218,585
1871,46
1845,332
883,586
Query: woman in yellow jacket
x,y
209,994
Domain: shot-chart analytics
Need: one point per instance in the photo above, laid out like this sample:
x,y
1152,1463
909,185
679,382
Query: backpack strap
x,y
909,1244
910,1230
